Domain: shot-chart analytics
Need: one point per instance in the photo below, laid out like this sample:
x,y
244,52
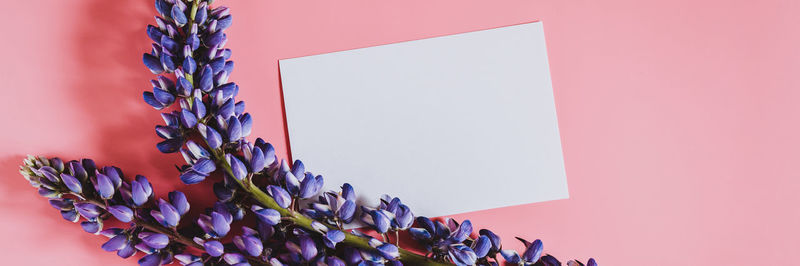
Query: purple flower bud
x,y
548,260
139,193
235,259
462,255
62,204
224,22
92,227
389,251
334,261
126,251
226,110
292,183
204,166
192,177
178,16
347,192
495,239
533,252
591,262
298,168
481,246
198,108
333,237
104,186
214,248
170,145
170,214
308,249
168,44
379,221
154,33
77,170
162,7
213,138
257,162
220,224
150,99
185,86
115,243
167,61
202,13
420,234
234,129
217,64
511,256
268,216
215,38
280,195
88,210
70,215
249,244
237,167
152,63
121,212
72,183
347,211
188,119
178,199
462,232
150,260
206,79
404,217
247,124
156,241
196,150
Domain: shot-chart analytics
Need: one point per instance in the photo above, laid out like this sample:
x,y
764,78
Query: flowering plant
x,y
295,222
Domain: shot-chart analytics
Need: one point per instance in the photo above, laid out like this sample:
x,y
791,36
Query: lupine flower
x,y
531,255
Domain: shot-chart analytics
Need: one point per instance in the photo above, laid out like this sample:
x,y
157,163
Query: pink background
x,y
679,120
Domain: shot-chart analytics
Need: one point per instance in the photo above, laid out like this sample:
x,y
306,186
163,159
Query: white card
x,y
450,124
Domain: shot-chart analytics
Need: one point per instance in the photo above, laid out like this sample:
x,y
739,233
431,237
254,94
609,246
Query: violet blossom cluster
x,y
295,222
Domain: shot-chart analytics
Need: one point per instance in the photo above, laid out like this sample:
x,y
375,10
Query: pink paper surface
x,y
679,120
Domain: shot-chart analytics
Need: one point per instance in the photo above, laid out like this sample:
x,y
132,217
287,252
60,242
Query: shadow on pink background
x,y
679,120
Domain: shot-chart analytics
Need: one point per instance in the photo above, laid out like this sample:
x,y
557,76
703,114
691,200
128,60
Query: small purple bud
x,y
268,216
202,13
104,186
280,195
188,119
224,22
178,16
237,167
196,150
334,236
178,199
234,129
220,224
138,193
88,210
168,61
298,169
204,166
217,64
191,177
185,86
170,214
162,7
495,239
347,192
213,138
152,63
150,99
308,248
250,244
215,38
150,260
533,252
70,215
92,227
189,65
198,108
72,183
170,145
347,211
380,221
206,79
257,162
126,251
481,246
247,124
389,251
121,212
168,44
462,255
462,232
156,241
420,234
115,243
591,262
214,248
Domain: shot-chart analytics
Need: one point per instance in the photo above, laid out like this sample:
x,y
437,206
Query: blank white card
x,y
450,124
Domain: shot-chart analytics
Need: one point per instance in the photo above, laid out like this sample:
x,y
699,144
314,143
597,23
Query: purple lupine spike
x,y
72,183
280,195
533,252
170,214
156,241
178,200
121,212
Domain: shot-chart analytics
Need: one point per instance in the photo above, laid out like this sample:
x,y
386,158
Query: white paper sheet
x,y
450,124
